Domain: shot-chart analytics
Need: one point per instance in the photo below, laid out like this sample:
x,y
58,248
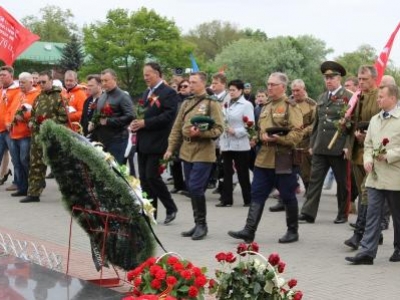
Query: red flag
x,y
383,58
14,38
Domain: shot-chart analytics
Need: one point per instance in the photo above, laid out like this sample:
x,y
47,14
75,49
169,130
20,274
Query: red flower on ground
x,y
385,141
292,283
254,247
211,283
241,248
298,295
230,257
220,256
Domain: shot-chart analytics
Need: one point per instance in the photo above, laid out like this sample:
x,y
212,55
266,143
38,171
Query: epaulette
x,y
189,98
311,101
291,101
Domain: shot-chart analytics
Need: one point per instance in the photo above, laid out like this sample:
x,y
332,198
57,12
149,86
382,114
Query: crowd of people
x,y
213,133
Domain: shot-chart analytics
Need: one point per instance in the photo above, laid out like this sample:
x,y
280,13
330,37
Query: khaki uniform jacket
x,y
328,113
388,173
308,108
365,109
278,113
202,148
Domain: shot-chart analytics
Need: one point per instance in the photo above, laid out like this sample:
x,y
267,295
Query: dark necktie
x,y
385,115
329,96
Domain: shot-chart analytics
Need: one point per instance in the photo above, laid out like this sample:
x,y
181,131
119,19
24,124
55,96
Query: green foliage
x,y
351,61
253,60
126,41
53,25
72,55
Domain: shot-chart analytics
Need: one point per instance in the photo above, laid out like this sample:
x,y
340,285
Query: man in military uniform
x,y
367,107
274,162
49,105
331,106
198,148
307,107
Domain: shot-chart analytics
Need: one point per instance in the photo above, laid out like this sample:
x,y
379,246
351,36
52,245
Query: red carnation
x,y
178,267
281,267
292,283
200,281
171,280
385,141
150,261
298,295
155,284
245,119
274,259
250,123
211,283
241,248
154,269
186,274
196,271
132,274
107,110
161,169
172,260
93,106
161,274
220,256
193,292
141,102
345,99
138,281
40,119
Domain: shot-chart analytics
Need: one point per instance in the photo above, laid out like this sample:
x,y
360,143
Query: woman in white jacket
x,y
235,144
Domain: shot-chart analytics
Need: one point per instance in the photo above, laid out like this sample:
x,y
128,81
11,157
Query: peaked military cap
x,y
332,68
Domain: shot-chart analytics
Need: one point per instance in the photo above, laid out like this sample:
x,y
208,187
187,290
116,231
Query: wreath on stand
x,y
89,180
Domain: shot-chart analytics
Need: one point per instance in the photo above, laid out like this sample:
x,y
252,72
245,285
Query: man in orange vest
x,y
8,93
17,120
75,96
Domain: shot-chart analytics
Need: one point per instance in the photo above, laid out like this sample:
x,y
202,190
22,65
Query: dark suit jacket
x,y
86,117
324,128
159,118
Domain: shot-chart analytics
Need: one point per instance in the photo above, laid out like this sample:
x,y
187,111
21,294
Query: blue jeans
x,y
5,144
196,176
19,150
265,180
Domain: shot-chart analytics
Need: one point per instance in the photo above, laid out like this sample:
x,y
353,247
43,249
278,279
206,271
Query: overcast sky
x,y
342,24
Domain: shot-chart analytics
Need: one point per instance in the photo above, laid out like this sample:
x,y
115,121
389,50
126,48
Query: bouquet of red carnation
x,y
250,128
105,112
20,113
168,276
252,277
37,121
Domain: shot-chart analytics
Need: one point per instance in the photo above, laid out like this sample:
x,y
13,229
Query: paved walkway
x,y
316,261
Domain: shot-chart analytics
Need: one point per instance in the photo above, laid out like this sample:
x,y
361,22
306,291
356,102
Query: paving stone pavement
x,y
316,261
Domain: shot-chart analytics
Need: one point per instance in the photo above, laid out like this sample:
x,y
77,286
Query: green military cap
x,y
332,68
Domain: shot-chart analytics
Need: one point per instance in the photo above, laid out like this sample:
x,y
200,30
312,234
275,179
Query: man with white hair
x,y
17,124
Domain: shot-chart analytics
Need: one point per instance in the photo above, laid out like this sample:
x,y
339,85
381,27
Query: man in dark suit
x,y
94,89
161,104
329,113
115,108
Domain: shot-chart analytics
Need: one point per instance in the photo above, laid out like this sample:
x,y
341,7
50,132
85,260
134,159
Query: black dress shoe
x,y
246,205
340,220
361,260
395,256
353,225
222,204
19,194
30,199
305,218
170,217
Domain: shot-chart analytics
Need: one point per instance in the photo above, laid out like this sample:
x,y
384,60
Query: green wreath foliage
x,y
86,180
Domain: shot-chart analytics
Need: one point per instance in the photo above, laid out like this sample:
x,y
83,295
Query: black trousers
x,y
241,160
320,165
152,183
177,174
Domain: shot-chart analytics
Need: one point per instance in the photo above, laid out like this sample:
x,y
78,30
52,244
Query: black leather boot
x,y
200,231
354,241
253,218
190,232
292,221
278,206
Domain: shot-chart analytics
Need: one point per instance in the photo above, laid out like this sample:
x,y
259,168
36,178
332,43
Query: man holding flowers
x,y
382,164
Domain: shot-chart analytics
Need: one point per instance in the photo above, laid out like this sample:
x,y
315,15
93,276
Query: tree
x,y
72,55
54,24
211,37
351,61
253,60
126,41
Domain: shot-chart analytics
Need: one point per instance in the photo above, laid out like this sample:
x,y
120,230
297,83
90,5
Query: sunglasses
x,y
42,82
184,86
